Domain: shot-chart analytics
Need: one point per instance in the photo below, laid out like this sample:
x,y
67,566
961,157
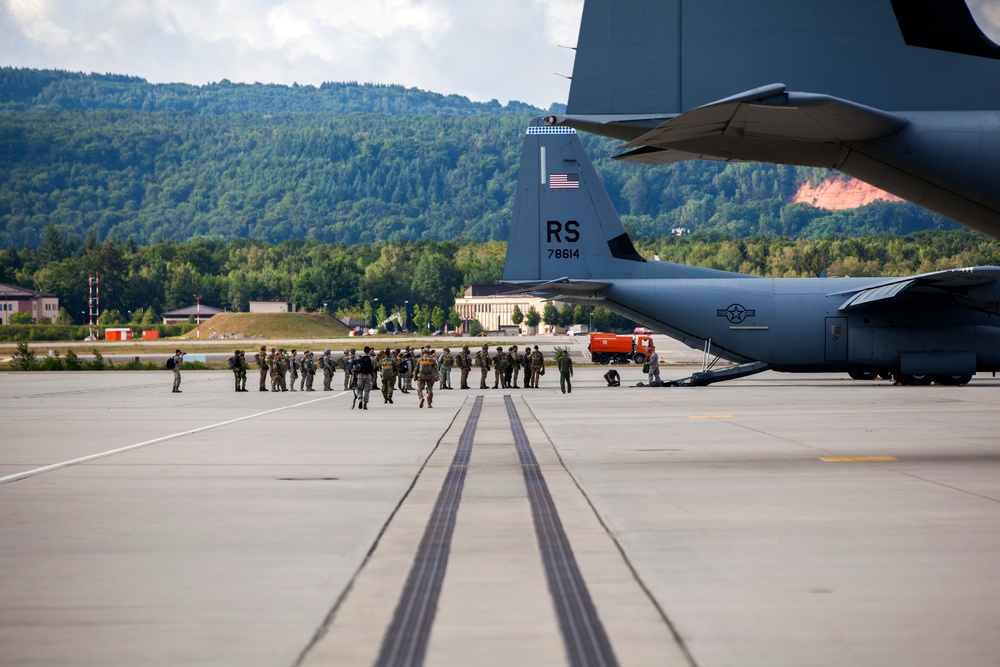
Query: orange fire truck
x,y
608,348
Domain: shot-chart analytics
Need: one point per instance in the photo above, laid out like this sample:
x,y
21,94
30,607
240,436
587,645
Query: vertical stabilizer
x,y
564,224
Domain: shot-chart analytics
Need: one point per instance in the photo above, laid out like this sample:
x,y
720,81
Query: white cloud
x,y
502,50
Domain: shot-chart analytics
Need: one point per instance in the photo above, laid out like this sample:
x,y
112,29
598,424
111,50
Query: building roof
x,y
489,290
15,292
193,310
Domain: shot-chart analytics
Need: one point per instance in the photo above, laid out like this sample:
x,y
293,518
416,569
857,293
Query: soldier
x,y
327,366
282,369
387,365
499,365
654,367
526,357
516,360
272,363
176,368
308,369
565,365
465,364
401,367
364,368
261,360
537,366
345,365
293,368
427,375
613,378
237,364
508,370
446,361
411,359
483,362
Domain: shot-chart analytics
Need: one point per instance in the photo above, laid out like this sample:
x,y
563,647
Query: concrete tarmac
x,y
774,520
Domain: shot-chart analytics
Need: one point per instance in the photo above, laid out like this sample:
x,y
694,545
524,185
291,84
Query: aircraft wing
x,y
720,130
952,281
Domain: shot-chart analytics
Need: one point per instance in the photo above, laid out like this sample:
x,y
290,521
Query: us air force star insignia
x,y
736,313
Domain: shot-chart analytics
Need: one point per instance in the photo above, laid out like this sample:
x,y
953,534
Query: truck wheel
x,y
639,358
601,358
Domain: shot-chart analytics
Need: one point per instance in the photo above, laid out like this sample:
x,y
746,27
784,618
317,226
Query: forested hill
x,y
337,163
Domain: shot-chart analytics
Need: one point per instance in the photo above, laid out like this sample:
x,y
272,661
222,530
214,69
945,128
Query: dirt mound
x,y
838,192
272,325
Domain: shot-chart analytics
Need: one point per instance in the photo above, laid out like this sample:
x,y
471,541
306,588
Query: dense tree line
x,y
369,280
343,162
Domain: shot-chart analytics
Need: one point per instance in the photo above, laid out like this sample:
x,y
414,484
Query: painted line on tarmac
x,y
584,636
405,641
84,459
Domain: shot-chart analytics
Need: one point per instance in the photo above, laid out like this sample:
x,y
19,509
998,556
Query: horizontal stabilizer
x,y
562,286
770,112
951,280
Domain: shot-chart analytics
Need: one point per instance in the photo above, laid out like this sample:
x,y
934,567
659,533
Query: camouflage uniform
x,y
387,365
308,368
516,360
345,365
294,363
238,365
327,365
411,363
272,362
465,364
364,368
261,360
483,361
446,361
498,368
427,375
178,360
537,364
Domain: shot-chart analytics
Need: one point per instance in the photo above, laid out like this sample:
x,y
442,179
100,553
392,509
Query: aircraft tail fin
x,y
565,229
638,57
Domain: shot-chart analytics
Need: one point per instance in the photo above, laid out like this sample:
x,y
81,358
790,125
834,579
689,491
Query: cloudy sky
x,y
506,49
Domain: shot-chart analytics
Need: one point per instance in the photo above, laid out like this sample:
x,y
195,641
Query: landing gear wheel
x,y
953,380
916,380
862,375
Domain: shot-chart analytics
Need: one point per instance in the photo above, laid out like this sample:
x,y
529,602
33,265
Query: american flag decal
x,y
564,181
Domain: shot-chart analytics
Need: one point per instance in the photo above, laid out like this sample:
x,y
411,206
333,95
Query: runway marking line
x,y
857,459
84,459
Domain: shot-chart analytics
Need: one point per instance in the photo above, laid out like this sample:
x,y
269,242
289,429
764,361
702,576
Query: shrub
x,y
72,361
24,358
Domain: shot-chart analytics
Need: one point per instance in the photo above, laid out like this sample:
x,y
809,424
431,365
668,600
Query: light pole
x,y
197,298
374,311
406,306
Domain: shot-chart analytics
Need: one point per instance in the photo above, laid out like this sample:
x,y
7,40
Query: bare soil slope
x,y
838,192
273,325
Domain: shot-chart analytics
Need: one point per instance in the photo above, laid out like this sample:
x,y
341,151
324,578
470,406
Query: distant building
x,y
272,307
43,306
493,306
182,315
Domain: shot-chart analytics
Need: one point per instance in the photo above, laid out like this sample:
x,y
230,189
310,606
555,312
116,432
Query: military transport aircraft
x,y
902,94
567,241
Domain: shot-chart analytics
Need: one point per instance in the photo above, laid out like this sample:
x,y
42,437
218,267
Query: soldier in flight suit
x,y
427,375
178,360
293,367
654,367
261,360
565,365
446,361
526,357
465,365
483,361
